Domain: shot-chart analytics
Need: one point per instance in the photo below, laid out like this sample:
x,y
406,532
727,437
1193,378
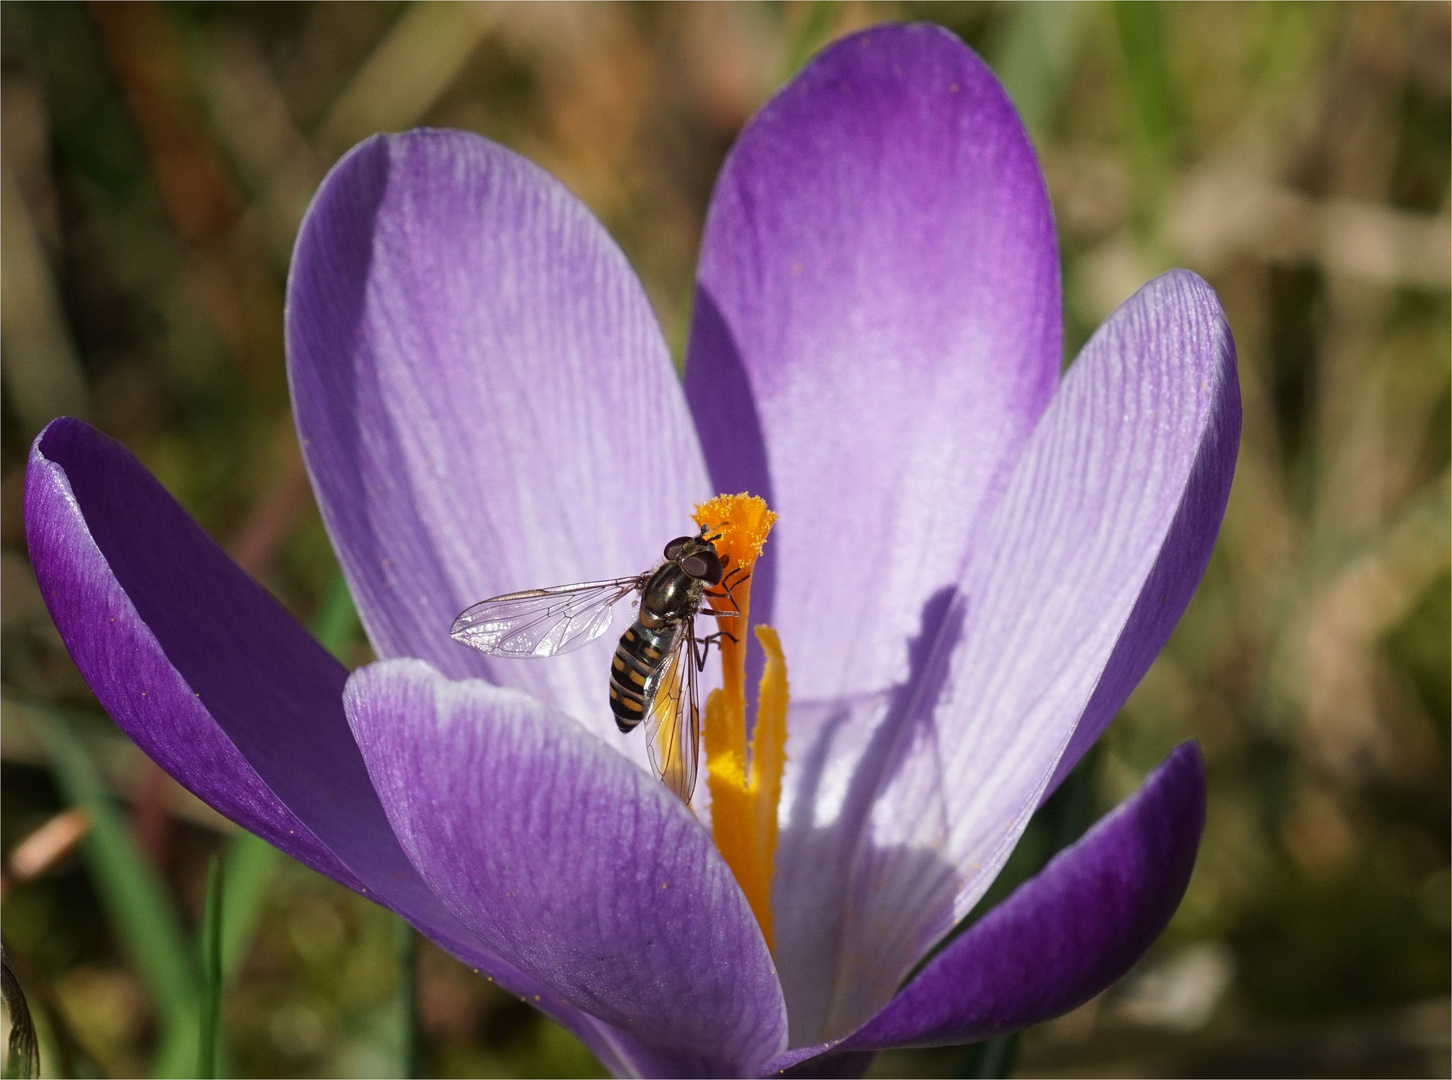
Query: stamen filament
x,y
744,795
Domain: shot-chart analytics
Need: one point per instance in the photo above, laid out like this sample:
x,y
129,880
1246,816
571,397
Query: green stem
x,y
990,1058
406,939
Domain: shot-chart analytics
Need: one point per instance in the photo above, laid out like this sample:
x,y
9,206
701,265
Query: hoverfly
x,y
651,678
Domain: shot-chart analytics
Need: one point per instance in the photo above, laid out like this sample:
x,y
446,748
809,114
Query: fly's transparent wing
x,y
673,718
542,622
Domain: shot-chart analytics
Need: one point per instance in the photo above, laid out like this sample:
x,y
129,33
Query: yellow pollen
x,y
745,781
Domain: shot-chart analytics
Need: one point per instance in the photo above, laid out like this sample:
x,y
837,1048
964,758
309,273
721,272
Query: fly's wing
x,y
673,718
542,622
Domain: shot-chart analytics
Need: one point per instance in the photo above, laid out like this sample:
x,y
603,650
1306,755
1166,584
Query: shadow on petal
x,y
842,753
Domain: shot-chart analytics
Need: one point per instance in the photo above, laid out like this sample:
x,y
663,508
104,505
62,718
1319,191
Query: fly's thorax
x,y
669,596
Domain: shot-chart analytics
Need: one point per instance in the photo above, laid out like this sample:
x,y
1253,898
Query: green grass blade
x,y
1142,35
22,1059
133,895
336,625
136,901
1035,53
990,1059
251,864
406,998
211,1020
814,31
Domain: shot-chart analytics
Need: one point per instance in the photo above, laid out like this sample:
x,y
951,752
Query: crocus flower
x,y
975,562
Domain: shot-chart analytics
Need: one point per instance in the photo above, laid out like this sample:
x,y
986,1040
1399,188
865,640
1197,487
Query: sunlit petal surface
x,y
907,804
484,399
877,329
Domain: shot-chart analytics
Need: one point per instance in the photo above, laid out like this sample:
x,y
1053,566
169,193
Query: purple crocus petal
x,y
1061,937
1110,512
484,398
166,628
572,865
877,330
219,685
1068,933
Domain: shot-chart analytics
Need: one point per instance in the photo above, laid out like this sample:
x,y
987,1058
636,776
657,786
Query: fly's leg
x,y
728,588
705,644
726,583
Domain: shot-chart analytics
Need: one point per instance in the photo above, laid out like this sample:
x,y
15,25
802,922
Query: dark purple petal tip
x,y
190,656
1066,934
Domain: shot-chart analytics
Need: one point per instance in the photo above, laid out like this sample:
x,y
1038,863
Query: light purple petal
x,y
877,329
1109,513
220,685
484,398
571,864
1063,936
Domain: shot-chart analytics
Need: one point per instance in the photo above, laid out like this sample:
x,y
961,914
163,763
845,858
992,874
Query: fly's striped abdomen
x,y
634,670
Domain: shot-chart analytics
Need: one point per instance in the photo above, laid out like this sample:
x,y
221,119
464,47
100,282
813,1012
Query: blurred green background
x,y
157,161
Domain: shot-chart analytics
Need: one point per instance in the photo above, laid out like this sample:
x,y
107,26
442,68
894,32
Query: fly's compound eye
x,y
674,547
703,566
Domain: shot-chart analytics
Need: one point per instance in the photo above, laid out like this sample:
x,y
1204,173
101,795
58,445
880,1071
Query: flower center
x,y
745,779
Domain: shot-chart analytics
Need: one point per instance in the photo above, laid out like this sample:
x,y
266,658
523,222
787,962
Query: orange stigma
x,y
745,780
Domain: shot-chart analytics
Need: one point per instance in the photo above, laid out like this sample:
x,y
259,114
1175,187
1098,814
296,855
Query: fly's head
x,y
697,557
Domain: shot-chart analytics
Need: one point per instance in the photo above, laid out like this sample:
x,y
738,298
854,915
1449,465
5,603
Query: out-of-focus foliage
x,y
156,163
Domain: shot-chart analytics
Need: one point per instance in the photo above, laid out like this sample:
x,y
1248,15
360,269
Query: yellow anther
x,y
745,781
